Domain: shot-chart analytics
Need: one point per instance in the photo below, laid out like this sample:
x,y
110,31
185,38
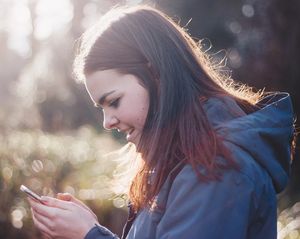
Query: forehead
x,y
101,79
102,82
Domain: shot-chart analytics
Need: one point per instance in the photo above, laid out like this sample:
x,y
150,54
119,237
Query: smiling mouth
x,y
129,134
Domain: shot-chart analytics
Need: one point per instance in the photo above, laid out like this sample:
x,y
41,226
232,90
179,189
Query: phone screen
x,y
30,193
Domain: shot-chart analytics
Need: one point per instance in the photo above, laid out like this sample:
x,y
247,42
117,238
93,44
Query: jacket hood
x,y
265,134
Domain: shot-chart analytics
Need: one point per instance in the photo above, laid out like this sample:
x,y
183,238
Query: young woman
x,y
214,154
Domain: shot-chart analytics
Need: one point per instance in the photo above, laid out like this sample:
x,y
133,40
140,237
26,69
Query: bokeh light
x,y
17,216
50,136
19,28
7,173
37,166
52,15
248,10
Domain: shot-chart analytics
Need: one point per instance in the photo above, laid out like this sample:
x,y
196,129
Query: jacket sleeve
x,y
214,210
100,232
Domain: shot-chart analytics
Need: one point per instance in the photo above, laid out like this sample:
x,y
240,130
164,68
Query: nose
x,y
109,121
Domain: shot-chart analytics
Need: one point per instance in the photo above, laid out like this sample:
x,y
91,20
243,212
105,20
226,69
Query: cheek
x,y
138,108
139,115
143,112
143,115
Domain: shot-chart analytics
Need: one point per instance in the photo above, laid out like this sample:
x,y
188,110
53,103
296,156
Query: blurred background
x,y
50,134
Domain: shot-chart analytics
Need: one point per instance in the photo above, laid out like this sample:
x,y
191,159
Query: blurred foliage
x,y
289,223
44,140
48,164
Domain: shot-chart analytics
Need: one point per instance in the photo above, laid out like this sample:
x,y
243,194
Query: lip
x,y
130,134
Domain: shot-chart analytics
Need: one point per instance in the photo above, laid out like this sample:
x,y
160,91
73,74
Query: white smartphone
x,y
31,193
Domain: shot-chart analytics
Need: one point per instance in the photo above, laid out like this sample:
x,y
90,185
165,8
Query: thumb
x,y
69,197
64,196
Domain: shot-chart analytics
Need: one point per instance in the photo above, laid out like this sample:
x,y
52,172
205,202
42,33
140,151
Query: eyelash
x,y
115,103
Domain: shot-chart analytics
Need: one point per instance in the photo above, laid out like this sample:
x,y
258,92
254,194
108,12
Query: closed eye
x,y
114,103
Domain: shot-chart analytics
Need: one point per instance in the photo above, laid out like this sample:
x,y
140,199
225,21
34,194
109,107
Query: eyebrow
x,y
102,99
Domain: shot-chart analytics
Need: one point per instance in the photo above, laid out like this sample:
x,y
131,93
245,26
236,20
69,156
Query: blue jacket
x,y
241,205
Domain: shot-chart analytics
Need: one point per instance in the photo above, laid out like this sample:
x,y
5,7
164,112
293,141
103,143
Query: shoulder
x,y
230,203
222,109
187,179
249,184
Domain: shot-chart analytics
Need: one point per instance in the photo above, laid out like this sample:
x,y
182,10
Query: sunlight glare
x,y
133,2
17,217
69,189
19,28
7,173
52,15
87,194
119,202
90,15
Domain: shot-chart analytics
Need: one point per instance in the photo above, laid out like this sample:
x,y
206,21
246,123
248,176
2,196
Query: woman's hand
x,y
62,219
70,197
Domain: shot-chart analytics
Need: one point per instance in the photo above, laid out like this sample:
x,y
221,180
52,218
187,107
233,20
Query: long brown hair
x,y
179,77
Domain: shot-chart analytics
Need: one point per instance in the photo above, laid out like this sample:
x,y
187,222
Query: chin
x,y
135,140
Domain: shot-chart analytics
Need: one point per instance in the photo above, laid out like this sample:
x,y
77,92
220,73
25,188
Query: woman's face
x,y
124,101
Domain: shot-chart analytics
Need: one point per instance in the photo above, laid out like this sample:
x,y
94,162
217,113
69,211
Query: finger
x,y
80,203
45,236
33,203
70,197
40,226
42,219
33,199
48,222
54,202
44,210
